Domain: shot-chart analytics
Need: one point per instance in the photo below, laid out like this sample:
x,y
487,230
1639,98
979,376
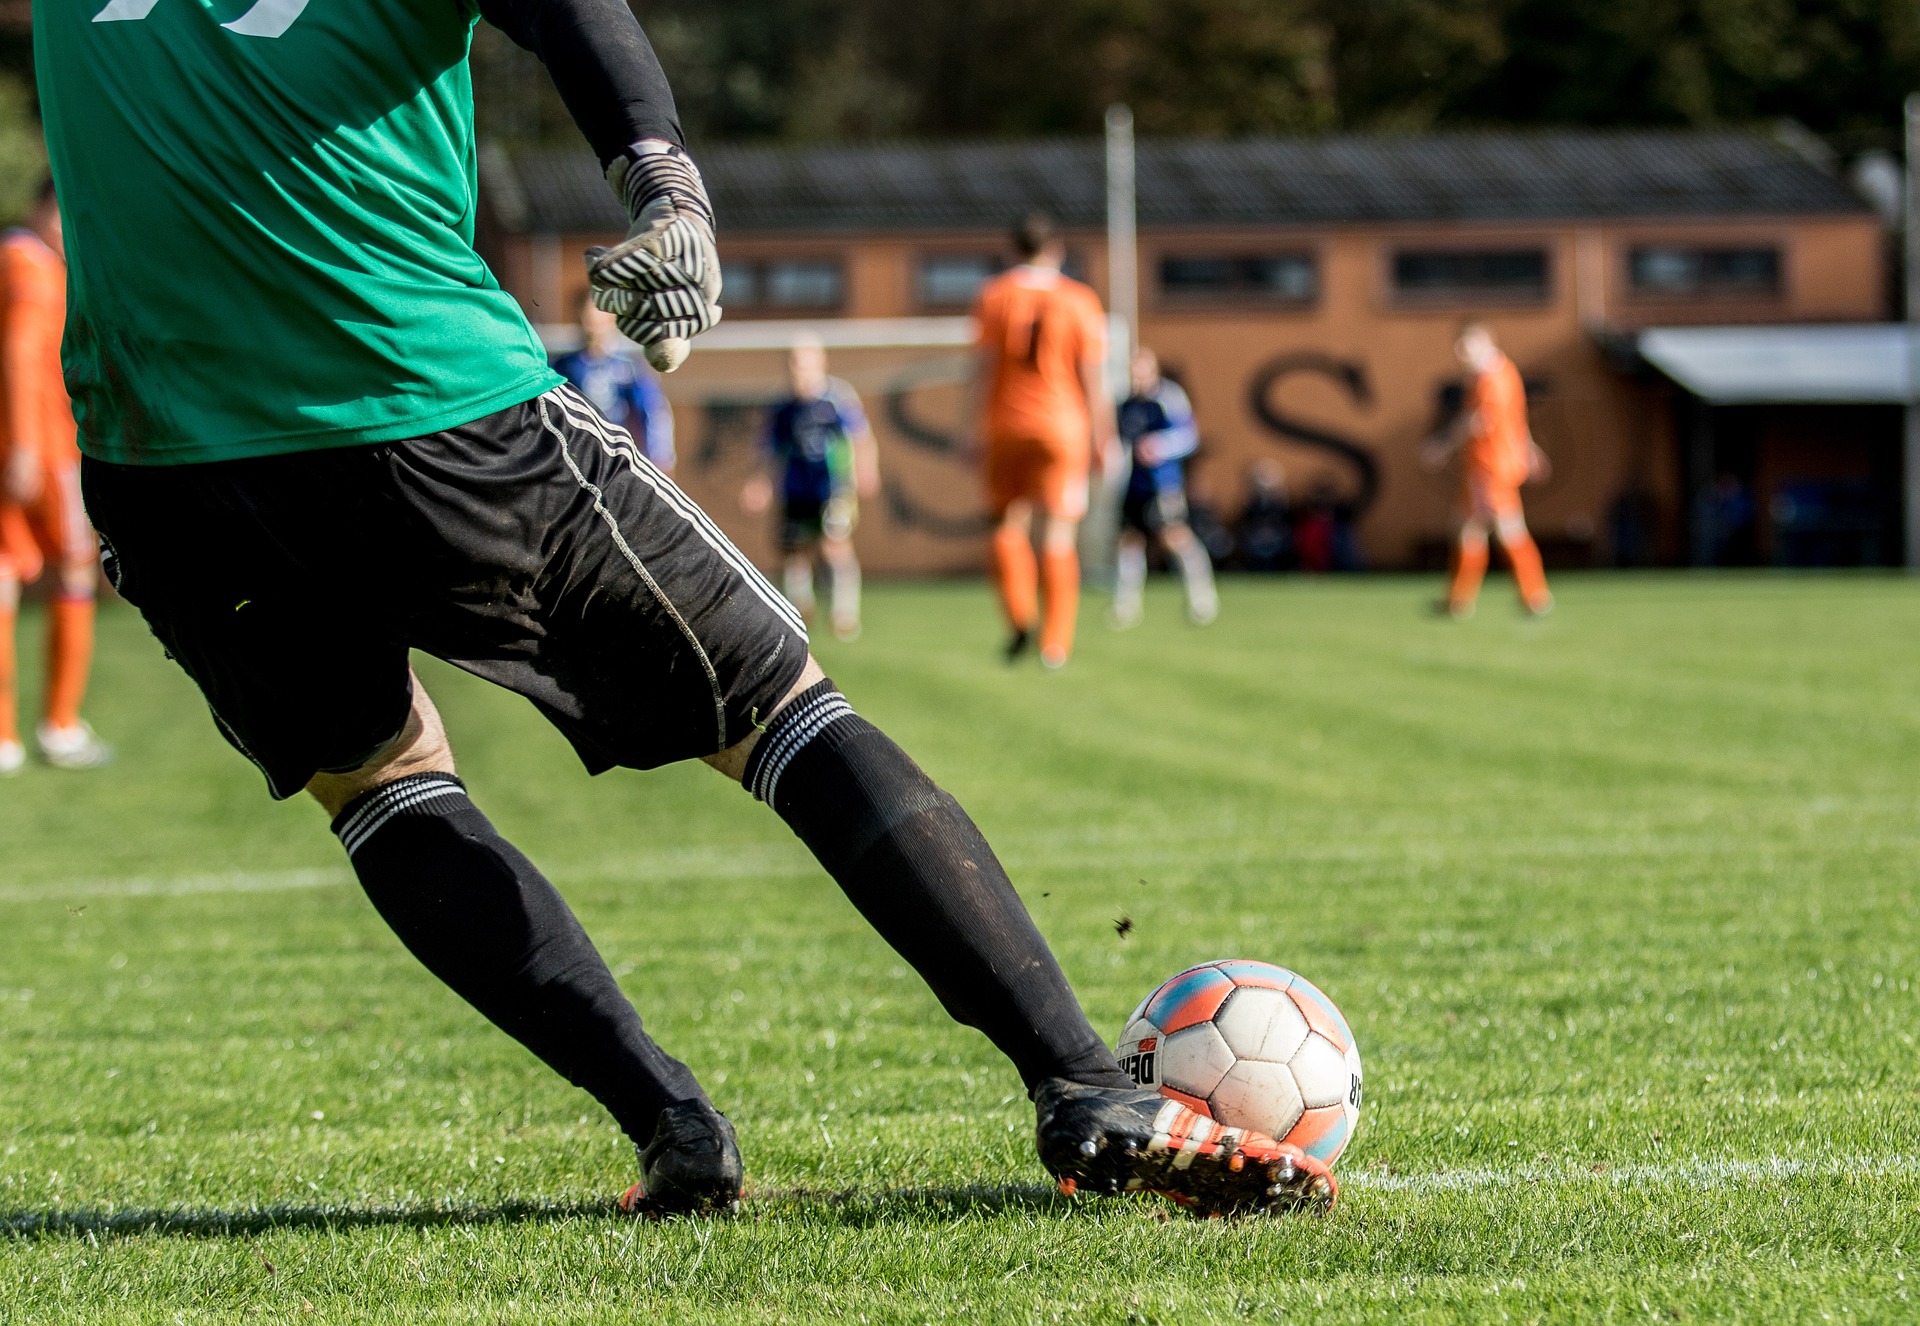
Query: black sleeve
x,y
602,64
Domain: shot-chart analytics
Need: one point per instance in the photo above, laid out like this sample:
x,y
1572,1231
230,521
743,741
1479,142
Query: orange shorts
x,y
1490,502
1051,476
52,529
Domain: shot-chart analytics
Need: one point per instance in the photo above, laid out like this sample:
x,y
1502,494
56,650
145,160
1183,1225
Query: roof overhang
x,y
1848,364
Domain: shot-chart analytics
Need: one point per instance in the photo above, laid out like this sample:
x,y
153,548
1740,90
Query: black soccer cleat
x,y
1109,1140
1017,643
691,1167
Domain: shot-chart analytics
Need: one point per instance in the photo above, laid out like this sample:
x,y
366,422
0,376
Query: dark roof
x,y
1189,182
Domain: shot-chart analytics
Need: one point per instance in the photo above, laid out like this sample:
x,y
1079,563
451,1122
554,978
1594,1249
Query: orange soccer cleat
x,y
1107,1140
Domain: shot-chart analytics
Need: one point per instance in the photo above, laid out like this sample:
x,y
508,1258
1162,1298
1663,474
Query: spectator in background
x,y
620,386
819,445
1265,528
1157,428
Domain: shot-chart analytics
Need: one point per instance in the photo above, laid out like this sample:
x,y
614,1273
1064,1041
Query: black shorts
x,y
536,547
806,521
1152,512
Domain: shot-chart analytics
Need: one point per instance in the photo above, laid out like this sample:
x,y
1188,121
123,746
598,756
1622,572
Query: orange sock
x,y
1060,575
1016,576
1524,555
1469,569
9,716
69,659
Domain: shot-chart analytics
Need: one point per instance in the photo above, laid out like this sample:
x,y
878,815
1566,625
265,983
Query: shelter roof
x,y
1455,177
1849,364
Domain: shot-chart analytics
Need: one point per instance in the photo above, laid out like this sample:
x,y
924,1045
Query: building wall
x,y
1359,364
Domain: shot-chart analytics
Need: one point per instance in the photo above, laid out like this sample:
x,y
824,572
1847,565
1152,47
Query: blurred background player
x,y
1046,424
1498,455
42,524
822,451
1156,426
622,388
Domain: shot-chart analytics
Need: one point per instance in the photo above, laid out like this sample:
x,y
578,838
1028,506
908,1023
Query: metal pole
x,y
1912,255
1123,250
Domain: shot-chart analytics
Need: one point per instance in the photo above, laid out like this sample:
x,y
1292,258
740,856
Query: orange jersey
x,y
33,285
1498,453
1037,329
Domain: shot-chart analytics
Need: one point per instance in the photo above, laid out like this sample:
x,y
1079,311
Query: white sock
x,y
846,593
799,584
1129,580
1196,568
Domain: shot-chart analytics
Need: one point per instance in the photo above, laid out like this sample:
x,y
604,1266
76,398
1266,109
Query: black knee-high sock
x,y
480,917
918,869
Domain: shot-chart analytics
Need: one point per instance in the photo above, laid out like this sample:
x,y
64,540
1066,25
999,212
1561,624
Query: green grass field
x,y
1620,905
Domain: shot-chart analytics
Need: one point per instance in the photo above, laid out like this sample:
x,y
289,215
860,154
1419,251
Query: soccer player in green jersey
x,y
318,435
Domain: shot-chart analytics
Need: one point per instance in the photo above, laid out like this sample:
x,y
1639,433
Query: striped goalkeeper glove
x,y
662,284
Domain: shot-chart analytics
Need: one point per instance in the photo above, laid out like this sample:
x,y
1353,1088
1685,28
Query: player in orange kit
x,y
1047,424
1498,455
42,524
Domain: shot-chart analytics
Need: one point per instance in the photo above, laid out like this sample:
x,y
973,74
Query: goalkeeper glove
x,y
662,284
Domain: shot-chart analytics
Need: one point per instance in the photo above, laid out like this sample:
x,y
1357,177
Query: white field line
x,y
142,886
1702,1173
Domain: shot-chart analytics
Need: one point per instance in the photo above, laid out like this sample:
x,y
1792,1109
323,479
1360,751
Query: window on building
x,y
951,280
1674,269
1282,278
1501,274
777,285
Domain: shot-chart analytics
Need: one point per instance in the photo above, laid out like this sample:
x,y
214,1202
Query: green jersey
x,y
269,210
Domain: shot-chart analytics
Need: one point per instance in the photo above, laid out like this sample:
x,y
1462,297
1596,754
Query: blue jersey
x,y
628,393
811,440
1165,415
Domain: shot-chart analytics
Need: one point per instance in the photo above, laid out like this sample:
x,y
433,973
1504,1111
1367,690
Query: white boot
x,y
73,747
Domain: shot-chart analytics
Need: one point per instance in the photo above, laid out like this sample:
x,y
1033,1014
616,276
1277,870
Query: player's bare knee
x,y
1062,534
733,760
79,582
420,747
1512,528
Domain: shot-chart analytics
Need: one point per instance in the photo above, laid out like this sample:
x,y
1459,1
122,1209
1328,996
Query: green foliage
x,y
1621,906
851,69
23,152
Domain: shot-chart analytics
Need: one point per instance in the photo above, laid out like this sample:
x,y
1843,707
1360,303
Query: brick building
x,y
1305,291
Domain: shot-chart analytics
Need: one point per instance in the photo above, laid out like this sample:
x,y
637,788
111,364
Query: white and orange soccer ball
x,y
1250,1045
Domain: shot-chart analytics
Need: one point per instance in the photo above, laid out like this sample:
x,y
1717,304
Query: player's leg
x,y
796,579
1016,574
843,571
1196,567
918,869
1529,575
1061,486
1129,578
65,739
282,586
13,756
1469,566
480,916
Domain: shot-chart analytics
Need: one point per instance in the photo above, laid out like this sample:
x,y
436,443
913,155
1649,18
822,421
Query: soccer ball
x,y
1250,1045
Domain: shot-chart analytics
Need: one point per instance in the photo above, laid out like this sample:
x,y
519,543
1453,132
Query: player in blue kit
x,y
819,454
625,391
1157,428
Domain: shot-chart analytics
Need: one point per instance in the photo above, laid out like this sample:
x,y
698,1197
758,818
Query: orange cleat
x,y
1107,1140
